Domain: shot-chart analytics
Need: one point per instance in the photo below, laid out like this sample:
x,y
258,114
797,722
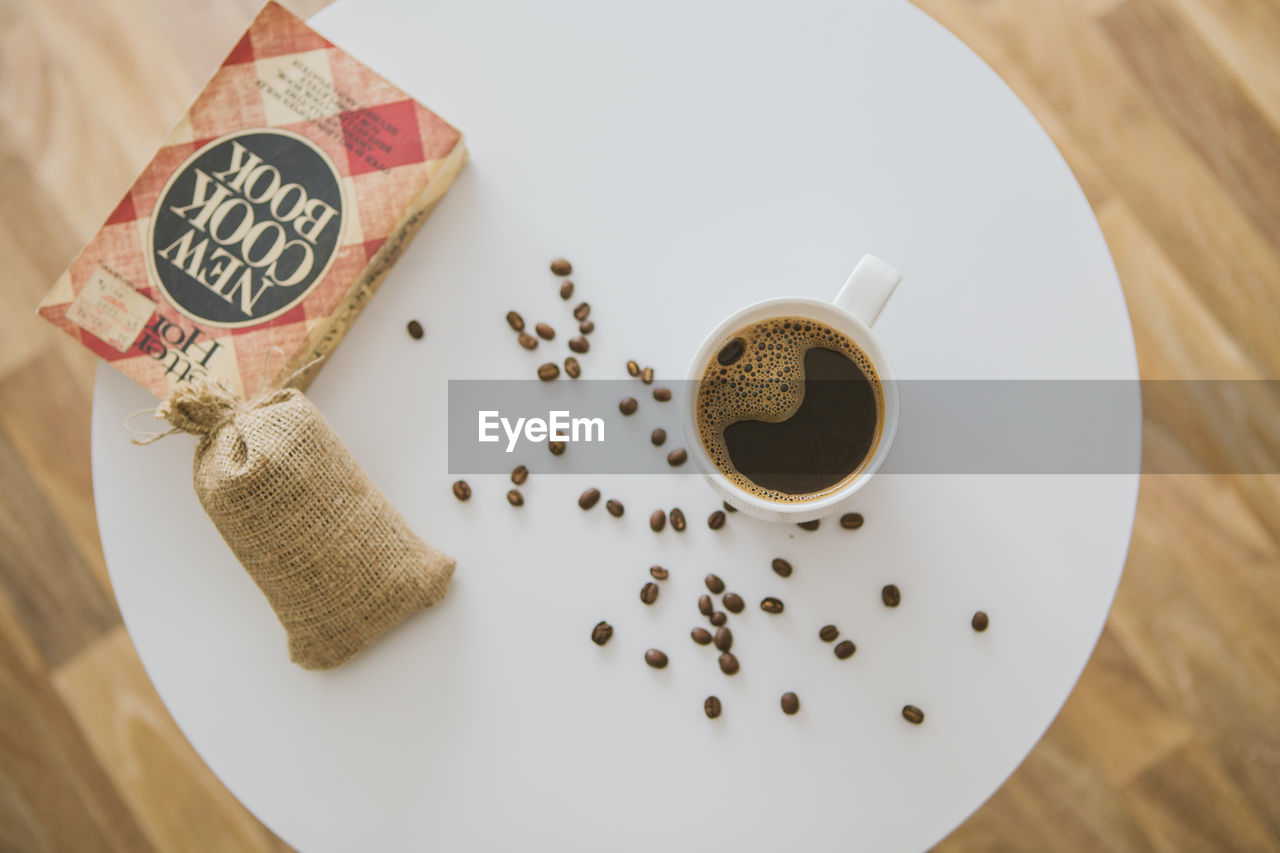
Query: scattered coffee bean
x,y
601,633
733,602
633,369
655,659
662,395
704,605
716,520
589,498
572,367
828,633
528,341
544,331
677,457
615,508
731,352
657,520
771,605
728,664
548,371
677,520
646,376
845,649
980,621
649,593
809,525
659,573
519,474
658,436
560,266
515,498
711,707
566,289
718,618
701,636
851,520
628,406
581,311
912,714
728,507
714,584
461,490
579,344
891,596
586,327
556,447
781,567
515,321
415,330
724,639
790,703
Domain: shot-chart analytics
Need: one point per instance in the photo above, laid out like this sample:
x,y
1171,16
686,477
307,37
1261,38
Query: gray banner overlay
x,y
947,427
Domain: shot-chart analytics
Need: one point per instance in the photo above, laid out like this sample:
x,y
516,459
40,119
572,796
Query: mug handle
x,y
869,287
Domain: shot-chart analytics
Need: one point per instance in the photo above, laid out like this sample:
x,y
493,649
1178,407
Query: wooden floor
x,y
1169,113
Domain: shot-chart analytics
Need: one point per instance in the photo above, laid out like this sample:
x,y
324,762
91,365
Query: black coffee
x,y
789,409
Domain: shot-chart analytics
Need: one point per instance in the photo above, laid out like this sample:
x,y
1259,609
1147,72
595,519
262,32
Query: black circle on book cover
x,y
246,227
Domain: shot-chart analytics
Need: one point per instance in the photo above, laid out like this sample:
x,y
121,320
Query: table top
x,y
688,162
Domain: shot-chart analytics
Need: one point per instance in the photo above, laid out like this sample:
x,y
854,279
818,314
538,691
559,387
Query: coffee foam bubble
x,y
766,383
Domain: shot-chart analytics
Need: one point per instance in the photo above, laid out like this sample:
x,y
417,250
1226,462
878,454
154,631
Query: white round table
x,y
689,158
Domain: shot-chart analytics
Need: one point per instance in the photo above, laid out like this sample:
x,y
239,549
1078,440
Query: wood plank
x,y
1244,35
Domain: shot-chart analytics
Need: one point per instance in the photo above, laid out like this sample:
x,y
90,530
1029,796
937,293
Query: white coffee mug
x,y
853,312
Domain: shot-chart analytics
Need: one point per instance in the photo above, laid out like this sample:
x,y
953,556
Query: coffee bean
x,y
771,605
733,602
912,714
704,605
891,596
716,520
980,621
415,330
461,490
548,371
677,457
628,406
845,649
581,311
658,436
519,474
724,639
633,369
649,593
601,633
572,367
714,584
657,520
718,618
711,707
615,508
781,567
655,659
659,573
556,447
677,520
579,344
728,664
790,703
589,498
731,352
528,341
701,636
646,375
566,289
662,395
728,507
515,321
515,498
851,520
560,266
544,331
586,327
809,525
828,633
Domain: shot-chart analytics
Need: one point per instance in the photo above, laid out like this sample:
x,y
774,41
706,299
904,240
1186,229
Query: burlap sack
x,y
337,562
